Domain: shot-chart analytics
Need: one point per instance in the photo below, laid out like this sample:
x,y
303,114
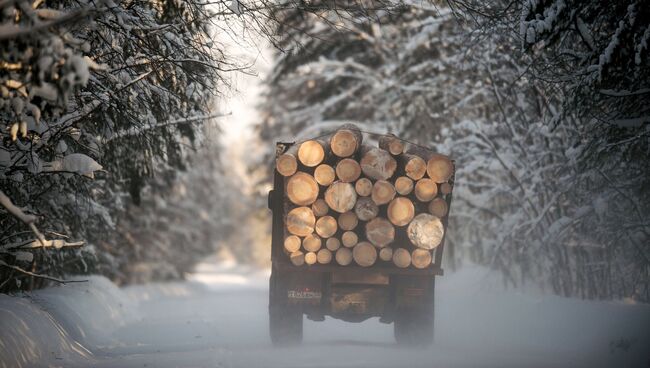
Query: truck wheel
x,y
285,321
414,328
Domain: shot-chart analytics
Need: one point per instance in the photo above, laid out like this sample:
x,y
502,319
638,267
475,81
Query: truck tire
x,y
285,321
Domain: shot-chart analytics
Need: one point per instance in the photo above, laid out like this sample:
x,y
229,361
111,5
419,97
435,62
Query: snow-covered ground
x,y
218,319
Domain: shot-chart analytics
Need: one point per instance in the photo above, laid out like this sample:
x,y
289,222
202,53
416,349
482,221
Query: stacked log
x,y
349,203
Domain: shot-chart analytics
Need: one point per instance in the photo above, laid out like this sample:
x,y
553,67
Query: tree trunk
x,y
425,231
438,207
297,258
366,209
349,239
440,168
386,254
401,258
343,256
346,141
341,197
311,153
414,166
292,244
404,185
311,258
400,211
364,254
421,258
302,189
324,174
392,144
348,170
382,192
333,244
301,221
363,187
348,221
324,256
320,208
312,243
380,232
425,190
377,164
287,163
326,226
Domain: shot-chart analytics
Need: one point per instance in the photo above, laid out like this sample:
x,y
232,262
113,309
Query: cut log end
x,y
343,256
333,244
326,226
386,254
311,258
382,192
286,164
348,170
341,197
421,258
297,258
366,209
425,231
349,239
346,141
380,232
312,243
378,164
445,188
392,144
302,189
292,244
364,254
301,221
363,187
440,168
324,256
324,175
311,153
400,211
415,167
320,208
401,258
404,185
348,221
438,207
425,190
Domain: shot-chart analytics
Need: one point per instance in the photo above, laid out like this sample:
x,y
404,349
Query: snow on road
x,y
218,318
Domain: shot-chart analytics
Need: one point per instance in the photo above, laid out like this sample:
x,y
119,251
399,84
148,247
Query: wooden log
x,y
324,256
349,239
401,258
320,207
333,244
292,243
386,254
348,221
377,164
404,185
366,209
343,256
324,174
420,258
346,141
341,196
301,221
438,207
302,189
414,166
445,188
312,243
348,170
425,189
400,211
439,168
326,226
312,152
297,258
425,231
287,163
311,258
382,192
380,232
363,187
392,144
364,254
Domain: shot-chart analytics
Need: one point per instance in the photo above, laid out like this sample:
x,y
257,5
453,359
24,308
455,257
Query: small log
x,y
341,197
445,188
400,211
425,231
343,256
311,153
346,141
392,144
349,239
438,207
421,258
326,226
333,244
386,254
382,192
363,187
292,244
320,207
425,189
348,221
377,164
312,243
287,163
364,254
324,174
348,170
366,209
311,258
404,185
380,232
439,168
297,258
301,221
414,166
324,256
302,189
401,258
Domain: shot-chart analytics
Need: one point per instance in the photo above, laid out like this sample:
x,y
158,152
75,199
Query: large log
x,y
425,190
349,239
400,211
420,258
343,256
302,189
292,243
386,254
287,163
382,192
320,207
312,243
346,141
438,207
297,258
348,170
401,258
301,221
392,144
311,153
414,166
326,226
348,221
333,244
341,197
380,232
311,258
324,174
324,256
377,164
425,231
439,168
364,254
366,209
363,187
404,185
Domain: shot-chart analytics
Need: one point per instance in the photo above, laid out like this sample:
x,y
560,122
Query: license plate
x,y
304,295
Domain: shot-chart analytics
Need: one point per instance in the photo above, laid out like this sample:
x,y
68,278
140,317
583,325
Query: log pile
x,y
350,203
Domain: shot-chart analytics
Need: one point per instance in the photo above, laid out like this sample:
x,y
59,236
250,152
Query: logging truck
x,y
358,230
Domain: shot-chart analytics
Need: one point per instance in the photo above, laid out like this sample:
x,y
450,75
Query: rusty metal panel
x,y
358,300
